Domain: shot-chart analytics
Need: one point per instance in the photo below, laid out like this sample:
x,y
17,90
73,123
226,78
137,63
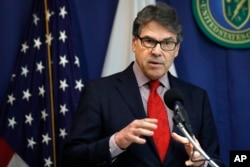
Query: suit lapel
x,y
128,89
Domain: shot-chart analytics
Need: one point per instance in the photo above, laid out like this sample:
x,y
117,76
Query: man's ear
x,y
133,42
177,50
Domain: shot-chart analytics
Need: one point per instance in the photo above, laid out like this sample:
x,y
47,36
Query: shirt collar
x,y
142,79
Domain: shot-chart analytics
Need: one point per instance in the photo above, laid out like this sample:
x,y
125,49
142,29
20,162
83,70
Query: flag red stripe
x,y
6,153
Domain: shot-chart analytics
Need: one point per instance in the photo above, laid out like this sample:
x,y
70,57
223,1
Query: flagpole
x,y
51,83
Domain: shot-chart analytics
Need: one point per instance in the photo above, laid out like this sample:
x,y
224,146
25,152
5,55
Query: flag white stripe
x,y
16,160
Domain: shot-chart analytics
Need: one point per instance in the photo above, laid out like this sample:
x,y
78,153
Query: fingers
x,y
146,124
144,127
179,138
188,146
197,160
134,132
195,157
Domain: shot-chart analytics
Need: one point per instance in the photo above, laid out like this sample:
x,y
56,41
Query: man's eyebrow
x,y
165,39
149,37
168,39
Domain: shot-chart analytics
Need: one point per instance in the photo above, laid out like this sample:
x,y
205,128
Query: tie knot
x,y
153,84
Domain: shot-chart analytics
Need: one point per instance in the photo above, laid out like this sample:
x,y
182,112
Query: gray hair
x,y
162,14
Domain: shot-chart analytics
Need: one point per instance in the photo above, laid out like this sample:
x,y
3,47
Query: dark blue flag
x,y
45,86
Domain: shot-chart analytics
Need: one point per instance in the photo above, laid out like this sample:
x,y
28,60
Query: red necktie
x,y
156,109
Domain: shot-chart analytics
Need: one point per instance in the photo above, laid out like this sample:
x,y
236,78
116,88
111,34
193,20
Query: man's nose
x,y
157,49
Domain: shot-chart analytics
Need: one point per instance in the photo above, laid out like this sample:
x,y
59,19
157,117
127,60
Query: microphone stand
x,y
178,122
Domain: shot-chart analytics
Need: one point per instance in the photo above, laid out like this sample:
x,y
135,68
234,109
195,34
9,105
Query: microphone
x,y
174,100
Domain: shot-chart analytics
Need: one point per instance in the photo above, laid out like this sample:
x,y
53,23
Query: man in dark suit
x,y
112,126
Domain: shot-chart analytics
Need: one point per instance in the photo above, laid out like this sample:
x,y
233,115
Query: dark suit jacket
x,y
109,104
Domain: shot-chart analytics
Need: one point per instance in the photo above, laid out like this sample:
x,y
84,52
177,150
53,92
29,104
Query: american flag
x,y
45,86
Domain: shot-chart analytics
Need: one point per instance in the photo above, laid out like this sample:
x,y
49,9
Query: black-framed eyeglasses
x,y
165,45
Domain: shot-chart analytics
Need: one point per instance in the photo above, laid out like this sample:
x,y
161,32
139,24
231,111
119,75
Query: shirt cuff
x,y
113,148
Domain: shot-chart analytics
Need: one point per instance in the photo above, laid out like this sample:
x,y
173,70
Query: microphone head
x,y
172,96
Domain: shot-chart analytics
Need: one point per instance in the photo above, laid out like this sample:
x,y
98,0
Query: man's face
x,y
154,62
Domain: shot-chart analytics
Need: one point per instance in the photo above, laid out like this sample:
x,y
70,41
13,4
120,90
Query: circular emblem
x,y
226,22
